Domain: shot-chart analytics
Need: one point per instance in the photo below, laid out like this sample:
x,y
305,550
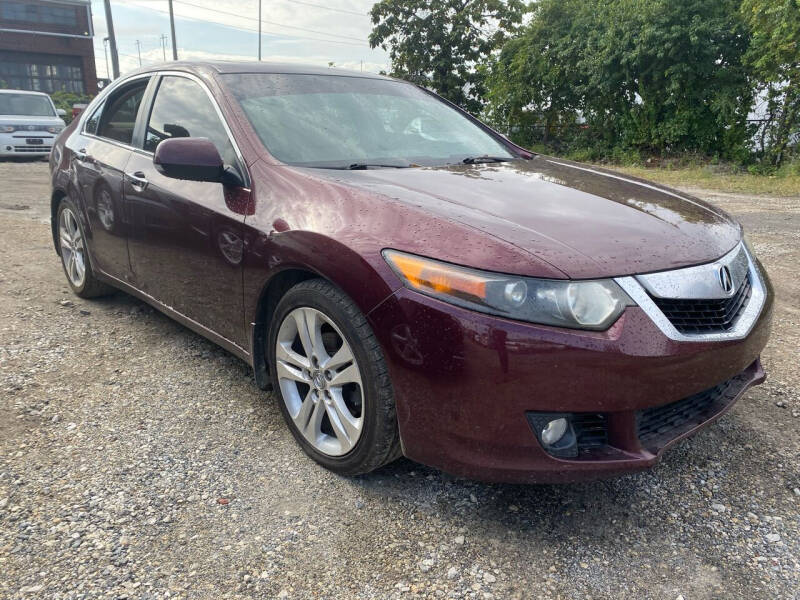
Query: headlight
x,y
54,129
574,304
7,128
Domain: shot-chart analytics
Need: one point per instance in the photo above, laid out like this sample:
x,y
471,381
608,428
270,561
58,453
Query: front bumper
x,y
465,383
19,143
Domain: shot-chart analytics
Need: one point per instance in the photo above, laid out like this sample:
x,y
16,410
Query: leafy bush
x,y
762,169
651,78
65,100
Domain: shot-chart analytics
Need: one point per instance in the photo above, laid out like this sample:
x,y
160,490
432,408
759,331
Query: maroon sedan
x,y
407,280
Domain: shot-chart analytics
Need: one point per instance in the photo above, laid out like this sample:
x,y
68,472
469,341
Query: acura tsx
x,y
407,280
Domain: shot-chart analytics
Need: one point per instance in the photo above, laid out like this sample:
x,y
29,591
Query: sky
x,y
307,31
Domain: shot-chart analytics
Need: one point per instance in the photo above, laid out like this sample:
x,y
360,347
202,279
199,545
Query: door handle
x,y
138,181
83,156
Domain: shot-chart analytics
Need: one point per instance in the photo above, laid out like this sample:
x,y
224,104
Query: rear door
x,y
101,153
186,240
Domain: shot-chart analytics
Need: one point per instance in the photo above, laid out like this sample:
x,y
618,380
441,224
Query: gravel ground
x,y
138,460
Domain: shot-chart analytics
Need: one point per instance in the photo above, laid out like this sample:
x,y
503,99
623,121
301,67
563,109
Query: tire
x,y
87,286
378,441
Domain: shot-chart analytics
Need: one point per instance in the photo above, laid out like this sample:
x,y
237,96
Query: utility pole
x,y
172,29
139,51
163,40
105,51
259,30
111,39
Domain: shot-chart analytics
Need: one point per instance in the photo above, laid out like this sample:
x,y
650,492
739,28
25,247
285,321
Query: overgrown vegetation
x,y
65,100
723,178
620,81
441,44
774,60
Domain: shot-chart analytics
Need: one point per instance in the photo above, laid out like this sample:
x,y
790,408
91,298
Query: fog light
x,y
554,431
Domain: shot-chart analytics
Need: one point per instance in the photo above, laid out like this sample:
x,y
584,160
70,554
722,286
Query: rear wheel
x,y
330,372
74,254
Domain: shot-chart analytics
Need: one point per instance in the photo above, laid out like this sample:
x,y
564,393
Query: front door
x,y
186,239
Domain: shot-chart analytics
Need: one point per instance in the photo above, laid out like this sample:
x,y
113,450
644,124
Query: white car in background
x,y
29,123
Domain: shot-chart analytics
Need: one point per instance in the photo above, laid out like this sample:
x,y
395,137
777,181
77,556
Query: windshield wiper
x,y
363,166
474,160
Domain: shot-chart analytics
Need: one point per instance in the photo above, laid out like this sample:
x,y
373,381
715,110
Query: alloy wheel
x,y
73,252
320,381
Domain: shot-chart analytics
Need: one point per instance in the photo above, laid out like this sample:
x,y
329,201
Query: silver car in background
x,y
29,123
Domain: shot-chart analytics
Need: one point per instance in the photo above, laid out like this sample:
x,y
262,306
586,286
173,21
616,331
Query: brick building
x,y
46,45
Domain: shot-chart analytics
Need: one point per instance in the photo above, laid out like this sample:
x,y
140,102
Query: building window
x,y
38,13
41,72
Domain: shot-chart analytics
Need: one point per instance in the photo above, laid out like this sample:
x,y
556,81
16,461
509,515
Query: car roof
x,y
223,67
32,93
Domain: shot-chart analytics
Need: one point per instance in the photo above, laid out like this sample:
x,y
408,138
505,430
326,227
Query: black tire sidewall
x,y
358,460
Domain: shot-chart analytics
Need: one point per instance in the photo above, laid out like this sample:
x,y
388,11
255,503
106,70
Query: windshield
x,y
29,105
335,122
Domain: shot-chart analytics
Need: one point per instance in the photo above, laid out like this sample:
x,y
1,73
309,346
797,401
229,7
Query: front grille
x,y
709,315
671,420
32,148
23,128
31,127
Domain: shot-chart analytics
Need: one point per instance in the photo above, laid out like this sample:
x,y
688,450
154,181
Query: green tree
x,y
651,75
441,43
672,69
774,56
532,81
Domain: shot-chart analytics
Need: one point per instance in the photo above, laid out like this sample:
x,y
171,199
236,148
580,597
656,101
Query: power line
x,y
322,6
341,10
133,56
275,33
233,14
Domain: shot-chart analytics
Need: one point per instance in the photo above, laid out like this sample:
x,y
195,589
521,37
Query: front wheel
x,y
329,370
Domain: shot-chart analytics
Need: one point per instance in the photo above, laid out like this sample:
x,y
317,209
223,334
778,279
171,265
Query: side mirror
x,y
193,159
61,112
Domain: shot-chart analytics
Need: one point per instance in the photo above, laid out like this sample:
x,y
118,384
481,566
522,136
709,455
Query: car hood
x,y
584,221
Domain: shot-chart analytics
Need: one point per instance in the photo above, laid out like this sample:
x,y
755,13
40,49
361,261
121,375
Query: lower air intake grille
x,y
591,431
33,149
670,420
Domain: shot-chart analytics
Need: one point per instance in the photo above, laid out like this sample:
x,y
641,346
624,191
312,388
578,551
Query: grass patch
x,y
785,183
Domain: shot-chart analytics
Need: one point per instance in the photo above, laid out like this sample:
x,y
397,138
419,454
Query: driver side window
x,y
182,109
118,114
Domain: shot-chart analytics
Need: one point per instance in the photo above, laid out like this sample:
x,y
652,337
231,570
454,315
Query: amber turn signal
x,y
439,278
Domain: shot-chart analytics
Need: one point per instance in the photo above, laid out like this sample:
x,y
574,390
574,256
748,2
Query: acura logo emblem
x,y
725,279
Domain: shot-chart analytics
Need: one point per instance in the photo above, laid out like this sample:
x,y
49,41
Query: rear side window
x,y
118,118
182,109
93,121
